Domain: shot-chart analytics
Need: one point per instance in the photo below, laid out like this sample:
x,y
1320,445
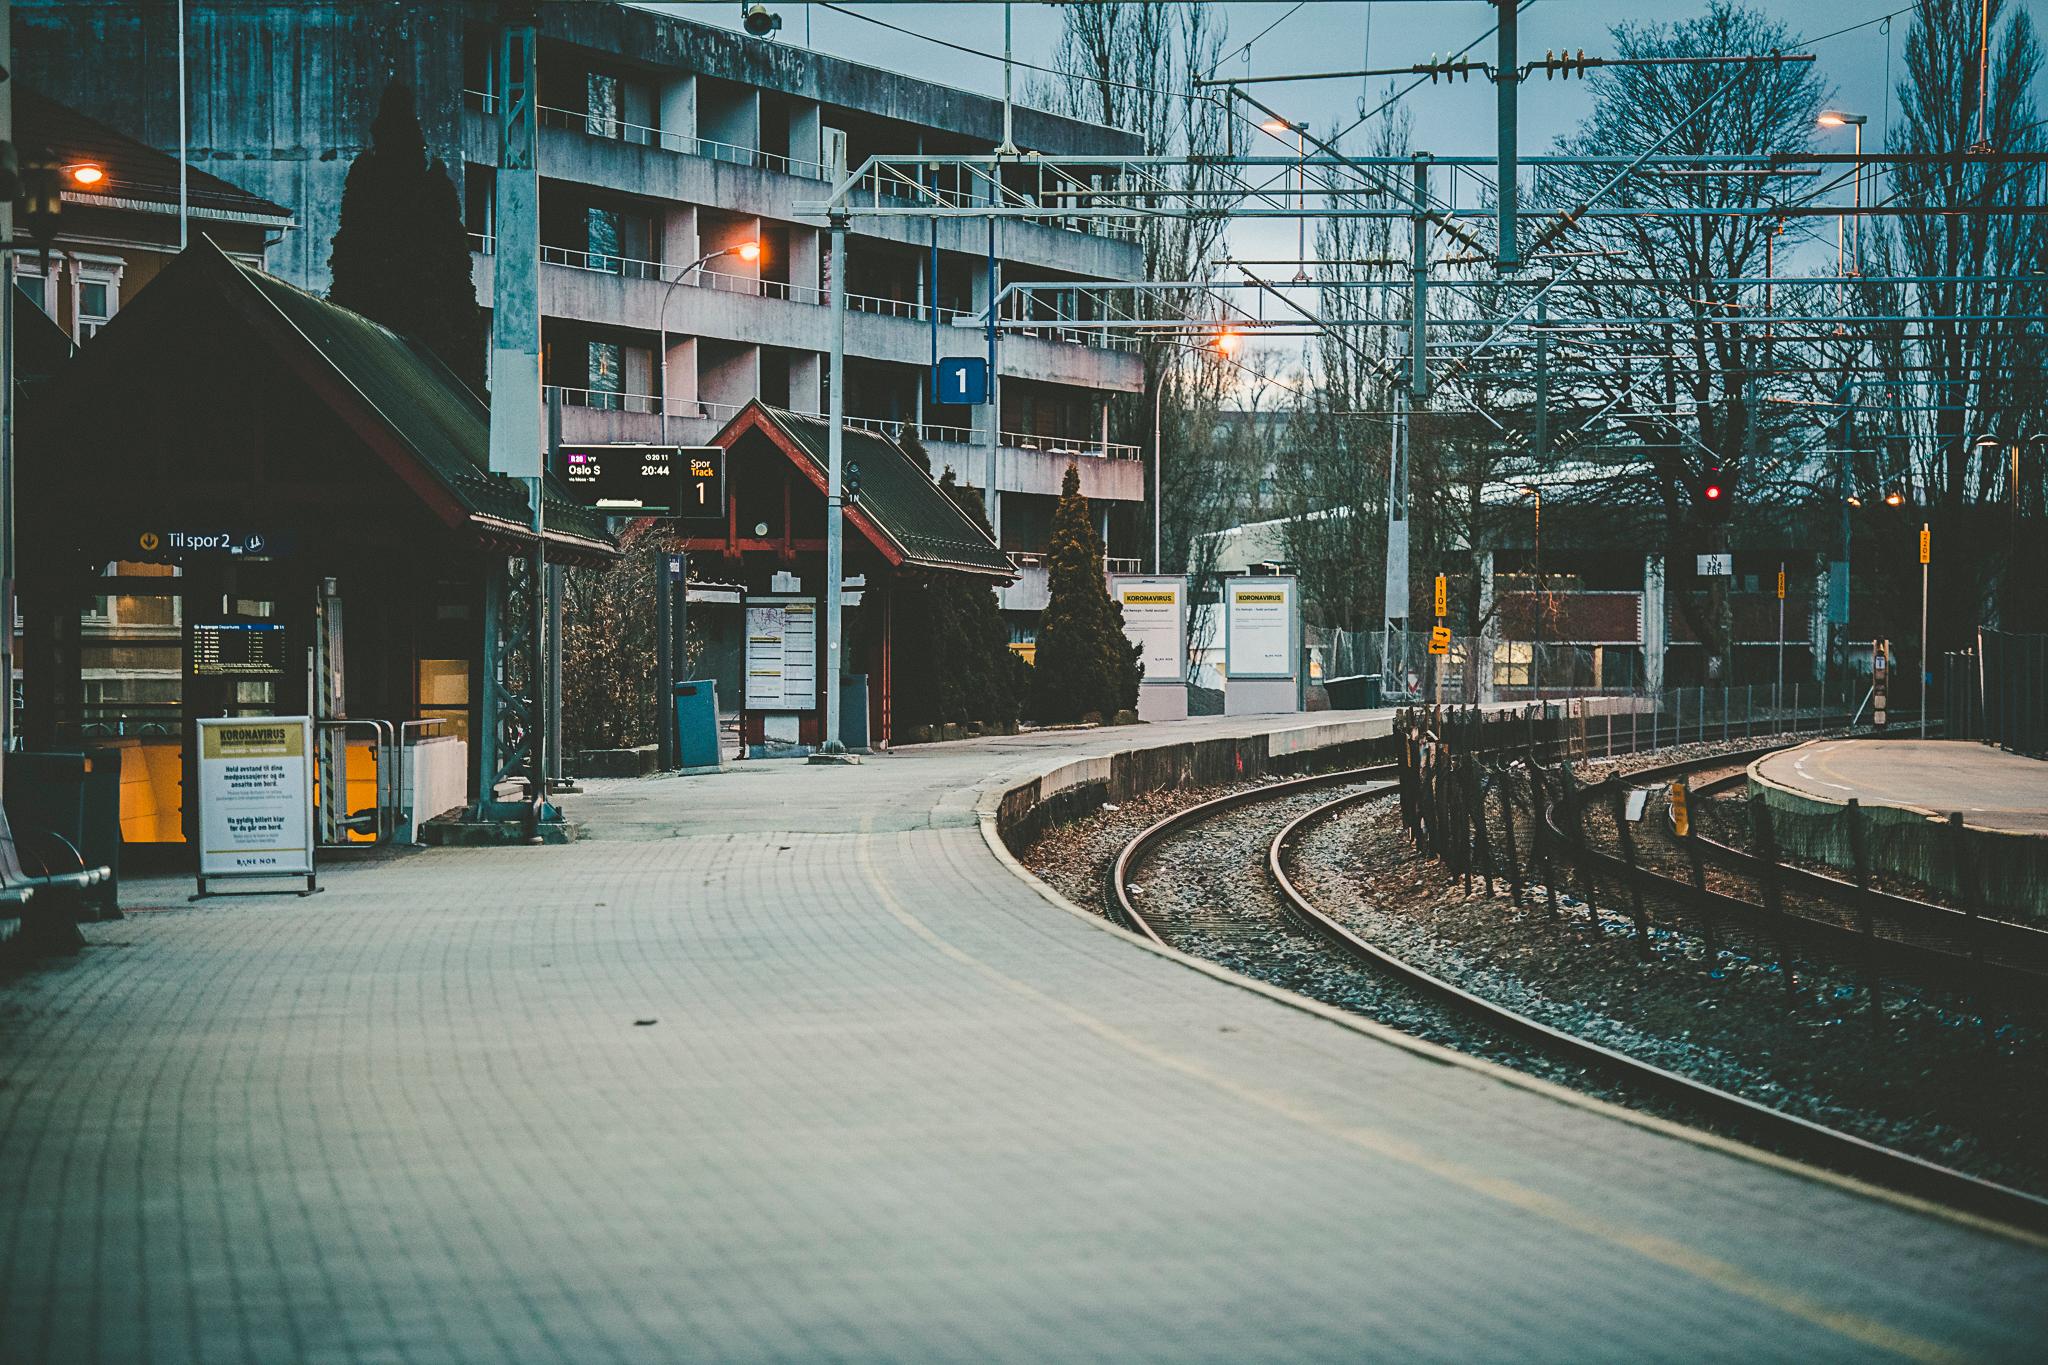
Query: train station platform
x,y
1912,795
787,1063
1993,789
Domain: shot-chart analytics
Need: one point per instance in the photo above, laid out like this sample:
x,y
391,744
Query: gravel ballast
x,y
1931,1075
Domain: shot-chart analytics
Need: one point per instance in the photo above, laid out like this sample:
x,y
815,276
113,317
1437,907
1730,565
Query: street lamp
x,y
1280,127
1835,118
746,251
1219,347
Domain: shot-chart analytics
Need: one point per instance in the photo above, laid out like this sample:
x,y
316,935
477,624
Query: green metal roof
x,y
898,495
429,410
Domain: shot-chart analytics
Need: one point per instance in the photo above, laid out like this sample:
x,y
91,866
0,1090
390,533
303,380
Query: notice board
x,y
255,797
1260,627
782,654
1156,620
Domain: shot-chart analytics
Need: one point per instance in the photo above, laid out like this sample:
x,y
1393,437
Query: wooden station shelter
x,y
767,653
242,500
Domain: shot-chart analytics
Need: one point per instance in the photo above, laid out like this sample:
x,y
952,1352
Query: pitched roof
x,y
137,174
907,516
407,406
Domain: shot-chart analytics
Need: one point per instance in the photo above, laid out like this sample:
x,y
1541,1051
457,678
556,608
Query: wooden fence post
x,y
1859,858
1618,795
1766,842
1539,802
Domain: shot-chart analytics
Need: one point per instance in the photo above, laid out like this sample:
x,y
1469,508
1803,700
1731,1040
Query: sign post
x,y
1926,664
256,799
1440,635
1879,681
1778,697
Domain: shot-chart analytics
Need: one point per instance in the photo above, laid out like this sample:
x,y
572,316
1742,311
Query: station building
x,y
662,142
295,502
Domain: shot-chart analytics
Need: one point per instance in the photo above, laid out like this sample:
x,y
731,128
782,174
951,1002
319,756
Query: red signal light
x,y
1713,492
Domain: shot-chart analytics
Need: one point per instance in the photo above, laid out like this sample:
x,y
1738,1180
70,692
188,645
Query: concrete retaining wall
x,y
2009,871
1080,786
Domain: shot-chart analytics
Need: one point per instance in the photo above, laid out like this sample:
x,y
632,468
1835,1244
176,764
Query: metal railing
x,y
608,400
614,129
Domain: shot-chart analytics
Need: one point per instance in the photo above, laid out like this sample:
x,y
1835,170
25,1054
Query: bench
x,y
56,889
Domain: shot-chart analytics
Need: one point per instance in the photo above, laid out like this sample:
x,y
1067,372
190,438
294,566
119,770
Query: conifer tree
x,y
401,254
954,629
1084,662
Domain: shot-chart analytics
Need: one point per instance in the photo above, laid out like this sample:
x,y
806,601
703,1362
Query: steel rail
x,y
1824,1146
1126,911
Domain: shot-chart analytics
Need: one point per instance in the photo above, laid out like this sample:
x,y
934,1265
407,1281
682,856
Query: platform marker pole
x,y
1926,670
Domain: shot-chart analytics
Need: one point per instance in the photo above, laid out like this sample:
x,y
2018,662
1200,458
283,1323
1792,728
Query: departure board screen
x,y
237,648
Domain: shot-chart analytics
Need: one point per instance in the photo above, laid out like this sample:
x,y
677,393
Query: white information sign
x,y
782,654
1156,619
255,798
1716,566
1259,627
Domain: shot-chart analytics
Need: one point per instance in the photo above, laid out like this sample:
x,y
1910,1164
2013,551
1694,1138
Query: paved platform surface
x,y
1993,789
891,1106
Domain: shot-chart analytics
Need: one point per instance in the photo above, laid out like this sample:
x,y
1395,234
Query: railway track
x,y
1263,934
1834,915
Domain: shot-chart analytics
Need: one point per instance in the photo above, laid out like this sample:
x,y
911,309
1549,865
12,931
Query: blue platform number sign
x,y
961,379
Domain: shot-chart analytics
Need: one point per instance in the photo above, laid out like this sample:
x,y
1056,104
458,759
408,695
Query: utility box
x,y
697,723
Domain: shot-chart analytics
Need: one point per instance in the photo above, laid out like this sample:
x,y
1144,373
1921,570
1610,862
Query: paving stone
x,y
895,1107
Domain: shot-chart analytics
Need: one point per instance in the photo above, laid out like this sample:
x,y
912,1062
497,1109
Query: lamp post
x,y
1529,490
1835,118
746,251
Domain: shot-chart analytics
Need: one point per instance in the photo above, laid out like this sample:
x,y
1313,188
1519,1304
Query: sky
x,y
1265,37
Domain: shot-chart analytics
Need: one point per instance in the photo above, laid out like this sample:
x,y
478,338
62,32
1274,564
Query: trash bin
x,y
853,711
697,724
1360,692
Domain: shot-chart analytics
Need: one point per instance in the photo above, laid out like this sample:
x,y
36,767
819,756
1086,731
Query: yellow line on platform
x,y
1662,1250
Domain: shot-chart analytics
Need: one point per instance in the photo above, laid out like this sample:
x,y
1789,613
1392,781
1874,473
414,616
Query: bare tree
x,y
1134,66
1969,368
1695,405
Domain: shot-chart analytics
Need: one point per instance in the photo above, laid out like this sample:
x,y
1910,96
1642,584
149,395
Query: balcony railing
x,y
608,263
613,129
1060,201
606,400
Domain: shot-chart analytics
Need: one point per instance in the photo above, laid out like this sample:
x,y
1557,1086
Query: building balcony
x,y
619,291
1025,463
655,163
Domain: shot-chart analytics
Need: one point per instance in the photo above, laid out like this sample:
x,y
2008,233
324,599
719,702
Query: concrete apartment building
x,y
663,141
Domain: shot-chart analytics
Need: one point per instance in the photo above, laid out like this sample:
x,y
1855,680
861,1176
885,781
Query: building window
x,y
607,374
602,118
95,293
1511,663
36,289
95,307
